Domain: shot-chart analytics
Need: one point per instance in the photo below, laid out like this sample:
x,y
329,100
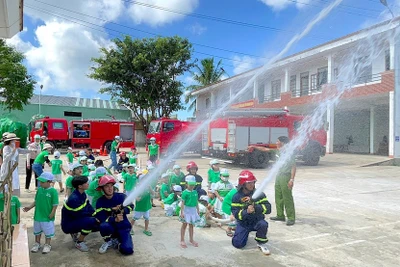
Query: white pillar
x,y
287,81
396,98
330,70
391,123
372,130
391,50
330,118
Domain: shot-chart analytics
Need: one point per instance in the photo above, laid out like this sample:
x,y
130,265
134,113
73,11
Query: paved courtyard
x,y
347,215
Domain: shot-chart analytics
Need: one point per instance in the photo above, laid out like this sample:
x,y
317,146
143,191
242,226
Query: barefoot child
x,y
189,211
46,202
56,169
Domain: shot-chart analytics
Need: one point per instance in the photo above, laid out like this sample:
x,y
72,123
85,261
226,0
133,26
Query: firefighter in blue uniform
x,y
77,214
115,227
249,213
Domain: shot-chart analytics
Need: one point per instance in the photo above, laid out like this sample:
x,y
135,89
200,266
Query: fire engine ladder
x,y
231,136
254,112
204,139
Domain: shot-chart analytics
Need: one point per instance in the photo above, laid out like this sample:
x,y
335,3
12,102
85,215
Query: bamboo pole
x,y
6,229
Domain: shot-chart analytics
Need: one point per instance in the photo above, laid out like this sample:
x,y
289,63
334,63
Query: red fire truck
x,y
84,133
230,136
170,132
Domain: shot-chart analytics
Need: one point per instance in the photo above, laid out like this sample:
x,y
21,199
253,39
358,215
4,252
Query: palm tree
x,y
206,73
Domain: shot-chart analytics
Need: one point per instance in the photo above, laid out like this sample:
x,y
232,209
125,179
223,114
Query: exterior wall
x,y
58,112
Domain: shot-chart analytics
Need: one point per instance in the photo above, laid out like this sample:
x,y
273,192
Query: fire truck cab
x,y
169,133
230,136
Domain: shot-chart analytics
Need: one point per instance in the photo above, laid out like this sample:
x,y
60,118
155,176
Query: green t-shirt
x,y
85,170
41,144
68,182
153,150
130,181
144,204
227,203
164,188
286,169
132,158
176,179
213,176
92,191
190,198
114,146
41,158
212,201
15,205
1,147
56,166
70,157
170,199
46,199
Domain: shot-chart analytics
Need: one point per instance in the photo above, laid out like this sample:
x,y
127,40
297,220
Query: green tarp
x,y
20,129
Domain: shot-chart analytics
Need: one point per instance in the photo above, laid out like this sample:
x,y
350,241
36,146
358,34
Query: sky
x,y
60,37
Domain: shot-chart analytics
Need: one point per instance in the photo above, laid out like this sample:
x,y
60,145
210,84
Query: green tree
x,y
16,86
142,74
206,73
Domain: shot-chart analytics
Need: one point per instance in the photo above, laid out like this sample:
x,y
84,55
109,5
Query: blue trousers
x,y
38,169
124,237
114,163
83,225
241,236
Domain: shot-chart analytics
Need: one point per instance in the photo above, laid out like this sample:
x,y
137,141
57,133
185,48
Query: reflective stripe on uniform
x,y
76,209
129,208
262,200
101,209
237,205
240,215
86,231
264,208
261,239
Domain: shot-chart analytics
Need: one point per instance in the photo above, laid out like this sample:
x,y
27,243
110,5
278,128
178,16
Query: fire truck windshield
x,y
38,125
154,127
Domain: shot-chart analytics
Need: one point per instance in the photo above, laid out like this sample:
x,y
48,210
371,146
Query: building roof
x,y
352,37
75,102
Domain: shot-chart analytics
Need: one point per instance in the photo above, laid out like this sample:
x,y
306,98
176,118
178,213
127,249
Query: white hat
x,y
47,146
82,158
205,198
10,137
177,188
46,176
132,165
176,167
100,171
153,139
190,179
69,148
90,161
5,134
43,137
125,165
57,154
82,153
224,172
36,136
75,166
117,137
91,167
214,161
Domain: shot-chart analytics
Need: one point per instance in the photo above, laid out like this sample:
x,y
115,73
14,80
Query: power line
x,y
124,33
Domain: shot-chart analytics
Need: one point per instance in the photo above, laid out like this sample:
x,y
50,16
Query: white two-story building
x,y
11,17
362,122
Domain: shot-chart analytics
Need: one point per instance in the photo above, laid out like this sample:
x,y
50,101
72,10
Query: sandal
x,y
148,233
229,233
132,232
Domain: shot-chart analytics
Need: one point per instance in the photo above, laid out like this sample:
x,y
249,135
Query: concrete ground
x,y
346,215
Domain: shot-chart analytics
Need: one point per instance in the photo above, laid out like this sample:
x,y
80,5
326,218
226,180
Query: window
x,y
313,82
335,73
293,83
304,83
387,59
275,89
297,125
154,127
322,77
208,103
38,125
168,126
81,130
363,70
261,93
58,125
72,114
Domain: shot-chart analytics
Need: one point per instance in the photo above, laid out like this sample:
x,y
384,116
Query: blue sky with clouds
x,y
61,36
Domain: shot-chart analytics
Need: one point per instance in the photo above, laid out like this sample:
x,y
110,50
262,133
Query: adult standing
x,y
10,157
113,153
1,147
39,161
34,151
283,186
43,140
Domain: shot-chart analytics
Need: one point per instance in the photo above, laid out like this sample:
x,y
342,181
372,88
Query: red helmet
x,y
106,179
246,176
191,165
133,147
122,154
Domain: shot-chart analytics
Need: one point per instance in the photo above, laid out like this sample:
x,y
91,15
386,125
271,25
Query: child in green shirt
x,y
76,170
142,209
85,168
46,202
213,173
130,179
133,156
15,208
92,193
171,202
70,157
56,169
165,190
176,176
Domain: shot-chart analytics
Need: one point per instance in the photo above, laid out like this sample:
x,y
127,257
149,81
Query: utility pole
x,y
40,96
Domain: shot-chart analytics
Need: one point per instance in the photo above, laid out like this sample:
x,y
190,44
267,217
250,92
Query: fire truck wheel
x,y
312,154
258,159
107,146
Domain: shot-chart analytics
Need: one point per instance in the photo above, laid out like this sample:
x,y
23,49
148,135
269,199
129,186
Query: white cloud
x,y
155,17
197,29
282,4
246,63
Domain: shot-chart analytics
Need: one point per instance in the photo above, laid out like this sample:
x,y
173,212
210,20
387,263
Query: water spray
x,y
144,185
